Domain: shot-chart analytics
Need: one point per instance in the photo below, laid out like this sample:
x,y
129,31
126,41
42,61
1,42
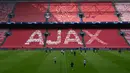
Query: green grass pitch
x,y
19,61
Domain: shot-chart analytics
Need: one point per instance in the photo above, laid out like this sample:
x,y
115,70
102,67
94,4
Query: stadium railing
x,y
79,25
85,23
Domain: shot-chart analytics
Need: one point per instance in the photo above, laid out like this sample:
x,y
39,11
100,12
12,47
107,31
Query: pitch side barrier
x,y
22,25
64,49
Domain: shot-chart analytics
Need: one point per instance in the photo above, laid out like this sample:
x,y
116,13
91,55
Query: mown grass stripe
x,y
121,62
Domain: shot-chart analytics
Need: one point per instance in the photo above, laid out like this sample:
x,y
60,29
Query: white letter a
x,y
76,39
32,39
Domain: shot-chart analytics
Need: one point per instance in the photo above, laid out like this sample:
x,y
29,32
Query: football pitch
x,y
19,61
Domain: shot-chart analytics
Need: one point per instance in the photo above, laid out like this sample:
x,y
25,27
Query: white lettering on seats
x,y
58,41
32,39
76,39
94,37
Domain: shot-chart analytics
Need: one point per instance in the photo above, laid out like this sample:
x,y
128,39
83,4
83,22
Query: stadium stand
x,y
5,9
98,12
29,12
65,38
124,9
64,12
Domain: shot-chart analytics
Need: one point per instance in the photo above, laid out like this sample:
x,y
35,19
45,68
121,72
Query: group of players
x,y
72,63
74,53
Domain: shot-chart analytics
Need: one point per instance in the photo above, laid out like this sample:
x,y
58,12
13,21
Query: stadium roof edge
x,y
120,1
